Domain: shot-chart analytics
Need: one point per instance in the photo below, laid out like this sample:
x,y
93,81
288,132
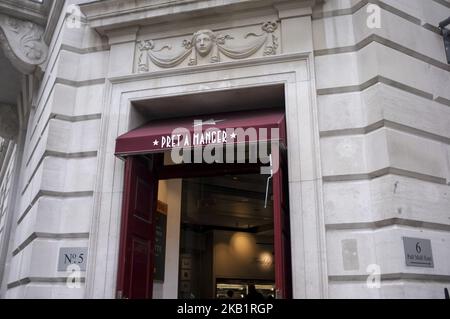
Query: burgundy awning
x,y
198,131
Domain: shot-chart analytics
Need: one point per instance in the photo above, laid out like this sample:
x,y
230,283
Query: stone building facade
x,y
365,86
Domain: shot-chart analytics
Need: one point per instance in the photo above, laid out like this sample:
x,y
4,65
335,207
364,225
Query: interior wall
x,y
240,255
236,255
170,193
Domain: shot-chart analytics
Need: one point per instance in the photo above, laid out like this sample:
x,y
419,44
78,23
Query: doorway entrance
x,y
233,228
226,238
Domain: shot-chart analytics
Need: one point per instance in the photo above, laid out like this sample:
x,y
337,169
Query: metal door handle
x,y
268,181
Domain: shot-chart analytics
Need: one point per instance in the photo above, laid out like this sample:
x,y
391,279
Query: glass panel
x,y
226,238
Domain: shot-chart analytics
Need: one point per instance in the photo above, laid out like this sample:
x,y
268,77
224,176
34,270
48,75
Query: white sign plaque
x,y
418,252
72,256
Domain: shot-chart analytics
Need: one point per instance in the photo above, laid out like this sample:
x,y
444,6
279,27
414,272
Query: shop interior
x,y
222,227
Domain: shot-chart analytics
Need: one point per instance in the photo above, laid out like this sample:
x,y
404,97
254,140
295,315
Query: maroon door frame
x,y
157,171
282,234
136,257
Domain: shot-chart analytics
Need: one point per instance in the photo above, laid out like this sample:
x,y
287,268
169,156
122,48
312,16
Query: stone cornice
x,y
272,59
22,43
27,10
113,14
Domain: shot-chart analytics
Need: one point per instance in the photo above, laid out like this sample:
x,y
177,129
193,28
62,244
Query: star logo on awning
x,y
155,143
233,135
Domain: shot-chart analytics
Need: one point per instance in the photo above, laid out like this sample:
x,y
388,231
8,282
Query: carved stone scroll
x,y
22,43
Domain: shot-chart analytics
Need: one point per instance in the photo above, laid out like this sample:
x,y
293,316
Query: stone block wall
x,y
59,164
384,116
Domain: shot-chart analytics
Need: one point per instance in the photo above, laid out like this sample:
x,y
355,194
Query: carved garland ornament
x,y
207,43
22,43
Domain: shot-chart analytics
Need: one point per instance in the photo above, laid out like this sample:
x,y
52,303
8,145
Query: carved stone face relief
x,y
203,41
209,46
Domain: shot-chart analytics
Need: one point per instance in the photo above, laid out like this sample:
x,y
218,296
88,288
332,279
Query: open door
x,y
136,256
282,240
